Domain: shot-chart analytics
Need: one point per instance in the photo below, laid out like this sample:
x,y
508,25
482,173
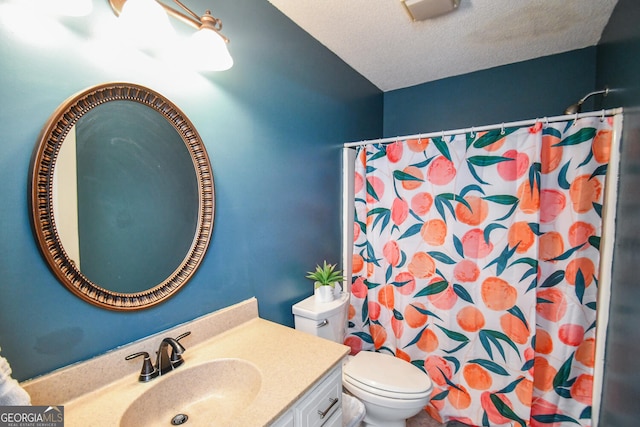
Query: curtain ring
x,y
575,120
502,129
602,116
473,132
546,121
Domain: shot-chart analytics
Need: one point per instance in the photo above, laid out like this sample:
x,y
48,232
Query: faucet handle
x,y
179,337
148,372
176,356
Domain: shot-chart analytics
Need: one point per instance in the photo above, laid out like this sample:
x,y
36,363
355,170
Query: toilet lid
x,y
387,373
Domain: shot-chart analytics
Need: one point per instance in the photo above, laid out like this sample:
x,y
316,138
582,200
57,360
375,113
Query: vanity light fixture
x,y
208,50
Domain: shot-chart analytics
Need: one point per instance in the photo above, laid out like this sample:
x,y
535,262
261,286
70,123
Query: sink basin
x,y
209,394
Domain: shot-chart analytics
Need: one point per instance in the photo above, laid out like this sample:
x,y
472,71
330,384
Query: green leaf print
x,y
555,278
456,336
492,136
400,284
471,187
414,229
440,396
587,159
419,364
443,258
416,338
580,285
425,311
441,145
455,197
462,293
553,418
457,243
598,208
562,177
526,260
483,161
364,337
372,192
515,310
600,170
440,202
470,137
594,241
494,336
510,387
502,199
432,289
487,231
567,254
584,134
508,214
403,176
534,175
376,156
490,366
502,259
475,174
552,131
505,410
423,164
586,413
562,376
455,362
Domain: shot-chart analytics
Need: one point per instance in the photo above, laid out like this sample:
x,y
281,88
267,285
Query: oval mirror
x,y
122,196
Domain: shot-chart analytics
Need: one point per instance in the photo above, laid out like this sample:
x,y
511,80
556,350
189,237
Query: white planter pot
x,y
324,294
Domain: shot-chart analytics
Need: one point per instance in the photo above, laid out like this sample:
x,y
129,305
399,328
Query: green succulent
x,y
325,275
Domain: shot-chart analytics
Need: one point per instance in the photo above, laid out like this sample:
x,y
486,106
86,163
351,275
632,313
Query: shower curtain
x,y
476,259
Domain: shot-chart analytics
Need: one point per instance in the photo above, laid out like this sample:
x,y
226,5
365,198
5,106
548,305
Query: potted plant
x,y
325,279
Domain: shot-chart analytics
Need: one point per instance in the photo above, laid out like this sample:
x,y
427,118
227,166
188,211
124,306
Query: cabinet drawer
x,y
323,401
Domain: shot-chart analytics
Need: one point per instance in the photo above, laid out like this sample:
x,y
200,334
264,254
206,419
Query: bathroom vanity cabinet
x,y
319,407
249,371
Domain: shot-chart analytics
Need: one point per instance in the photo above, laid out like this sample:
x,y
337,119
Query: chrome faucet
x,y
165,362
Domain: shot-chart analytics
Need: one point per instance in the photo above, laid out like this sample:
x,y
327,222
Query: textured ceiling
x,y
378,39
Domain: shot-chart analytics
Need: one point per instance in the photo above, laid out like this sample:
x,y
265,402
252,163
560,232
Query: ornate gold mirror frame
x,y
41,196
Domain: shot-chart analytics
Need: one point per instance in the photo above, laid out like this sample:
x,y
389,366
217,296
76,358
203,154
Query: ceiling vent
x,y
419,10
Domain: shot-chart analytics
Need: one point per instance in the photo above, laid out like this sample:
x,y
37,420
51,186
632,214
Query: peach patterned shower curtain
x,y
476,259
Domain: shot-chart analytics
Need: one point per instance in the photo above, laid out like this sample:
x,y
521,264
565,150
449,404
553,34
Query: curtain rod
x,y
602,113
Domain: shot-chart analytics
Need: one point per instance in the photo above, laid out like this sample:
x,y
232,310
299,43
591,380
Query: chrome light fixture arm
x,y
187,16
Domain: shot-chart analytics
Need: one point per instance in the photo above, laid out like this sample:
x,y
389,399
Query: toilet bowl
x,y
391,389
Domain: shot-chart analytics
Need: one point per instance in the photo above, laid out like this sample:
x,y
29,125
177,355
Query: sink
x,y
209,394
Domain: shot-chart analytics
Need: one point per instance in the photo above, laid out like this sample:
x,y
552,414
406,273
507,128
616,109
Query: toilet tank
x,y
323,319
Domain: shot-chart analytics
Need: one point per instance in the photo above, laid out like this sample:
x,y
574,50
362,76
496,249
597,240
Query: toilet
x,y
391,389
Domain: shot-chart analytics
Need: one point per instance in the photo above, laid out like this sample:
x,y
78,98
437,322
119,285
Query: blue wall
x,y
525,90
273,127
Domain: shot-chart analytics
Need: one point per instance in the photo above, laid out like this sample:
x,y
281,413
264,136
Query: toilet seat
x,y
386,375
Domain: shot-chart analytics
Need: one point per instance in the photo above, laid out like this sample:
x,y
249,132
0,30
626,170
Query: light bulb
x,y
208,51
145,24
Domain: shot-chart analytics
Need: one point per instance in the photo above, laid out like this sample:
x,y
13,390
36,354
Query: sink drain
x,y
179,419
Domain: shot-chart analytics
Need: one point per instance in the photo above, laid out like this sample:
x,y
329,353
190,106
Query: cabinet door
x,y
322,402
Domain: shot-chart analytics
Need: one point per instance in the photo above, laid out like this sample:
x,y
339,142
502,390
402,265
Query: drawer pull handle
x,y
333,402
